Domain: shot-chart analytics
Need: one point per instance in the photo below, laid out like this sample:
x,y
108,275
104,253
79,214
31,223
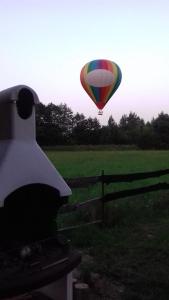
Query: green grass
x,y
132,250
91,163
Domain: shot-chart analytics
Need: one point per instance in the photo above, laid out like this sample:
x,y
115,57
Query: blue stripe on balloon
x,y
95,64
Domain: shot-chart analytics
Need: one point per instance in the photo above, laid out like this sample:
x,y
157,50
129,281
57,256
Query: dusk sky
x,y
45,43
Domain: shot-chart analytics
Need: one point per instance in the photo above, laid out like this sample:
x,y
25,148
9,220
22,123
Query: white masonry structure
x,y
22,162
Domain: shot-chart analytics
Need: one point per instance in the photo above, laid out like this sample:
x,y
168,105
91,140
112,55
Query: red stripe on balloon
x,y
103,92
100,105
103,64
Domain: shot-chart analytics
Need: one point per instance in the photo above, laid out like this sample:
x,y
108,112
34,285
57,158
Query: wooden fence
x,y
99,202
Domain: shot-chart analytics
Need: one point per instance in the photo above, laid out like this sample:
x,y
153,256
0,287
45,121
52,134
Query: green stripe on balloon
x,y
118,81
96,92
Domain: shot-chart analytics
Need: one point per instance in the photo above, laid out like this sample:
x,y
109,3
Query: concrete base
x,y
59,290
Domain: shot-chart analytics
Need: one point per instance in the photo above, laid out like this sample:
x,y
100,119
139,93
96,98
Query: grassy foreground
x,y
91,163
132,251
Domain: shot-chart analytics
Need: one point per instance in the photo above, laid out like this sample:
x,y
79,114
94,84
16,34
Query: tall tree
x,y
93,131
160,127
110,132
148,139
79,128
131,127
113,131
56,123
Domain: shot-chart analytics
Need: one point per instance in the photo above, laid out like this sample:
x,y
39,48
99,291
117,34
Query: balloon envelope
x,y
100,79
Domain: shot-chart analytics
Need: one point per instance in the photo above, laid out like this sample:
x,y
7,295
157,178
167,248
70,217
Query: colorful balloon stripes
x,y
100,79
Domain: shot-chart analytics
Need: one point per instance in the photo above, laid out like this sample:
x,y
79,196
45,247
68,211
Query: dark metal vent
x,y
25,103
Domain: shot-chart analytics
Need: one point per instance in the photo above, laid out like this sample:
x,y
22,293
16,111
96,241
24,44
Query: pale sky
x,y
45,43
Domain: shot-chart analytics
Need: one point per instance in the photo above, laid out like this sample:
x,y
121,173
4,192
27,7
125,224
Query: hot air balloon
x,y
100,79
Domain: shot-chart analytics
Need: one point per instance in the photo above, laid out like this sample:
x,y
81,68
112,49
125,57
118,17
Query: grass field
x,y
91,163
132,250
88,163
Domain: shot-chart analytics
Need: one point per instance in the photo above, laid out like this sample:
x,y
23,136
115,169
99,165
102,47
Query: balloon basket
x,y
100,112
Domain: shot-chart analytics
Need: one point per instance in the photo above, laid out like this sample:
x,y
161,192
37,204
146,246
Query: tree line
x,y
58,125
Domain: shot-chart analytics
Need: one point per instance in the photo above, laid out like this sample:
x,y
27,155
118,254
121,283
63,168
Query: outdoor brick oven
x,y
31,192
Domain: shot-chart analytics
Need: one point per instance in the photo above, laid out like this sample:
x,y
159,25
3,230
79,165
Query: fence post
x,y
102,195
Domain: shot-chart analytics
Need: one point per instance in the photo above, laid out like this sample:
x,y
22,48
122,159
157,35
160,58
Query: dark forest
x,y
58,125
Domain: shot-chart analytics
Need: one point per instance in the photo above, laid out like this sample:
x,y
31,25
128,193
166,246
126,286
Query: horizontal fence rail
x,y
133,192
99,202
114,196
82,182
80,206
